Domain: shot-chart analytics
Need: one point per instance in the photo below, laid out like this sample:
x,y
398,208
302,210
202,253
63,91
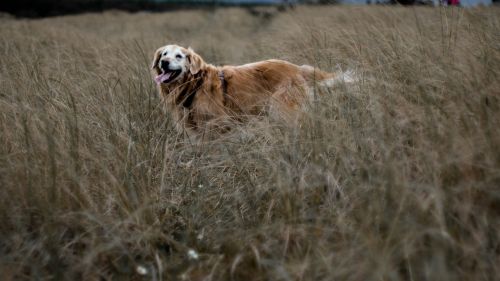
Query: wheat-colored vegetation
x,y
395,178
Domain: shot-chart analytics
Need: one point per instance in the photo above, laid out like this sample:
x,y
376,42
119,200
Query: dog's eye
x,y
179,56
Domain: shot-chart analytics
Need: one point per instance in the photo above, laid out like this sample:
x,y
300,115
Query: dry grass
x,y
395,179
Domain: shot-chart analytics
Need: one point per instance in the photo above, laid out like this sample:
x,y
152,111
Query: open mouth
x,y
167,76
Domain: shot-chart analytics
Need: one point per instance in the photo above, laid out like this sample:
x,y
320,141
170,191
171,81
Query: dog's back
x,y
272,75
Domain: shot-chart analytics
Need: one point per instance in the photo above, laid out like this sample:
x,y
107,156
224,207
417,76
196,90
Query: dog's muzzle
x,y
167,75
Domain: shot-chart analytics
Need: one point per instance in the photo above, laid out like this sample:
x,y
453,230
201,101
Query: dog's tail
x,y
346,77
326,79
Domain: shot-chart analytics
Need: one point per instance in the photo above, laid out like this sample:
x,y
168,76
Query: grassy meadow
x,y
396,177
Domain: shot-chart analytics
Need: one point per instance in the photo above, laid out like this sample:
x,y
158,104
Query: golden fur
x,y
199,100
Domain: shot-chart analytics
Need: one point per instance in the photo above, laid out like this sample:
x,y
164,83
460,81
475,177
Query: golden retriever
x,y
202,96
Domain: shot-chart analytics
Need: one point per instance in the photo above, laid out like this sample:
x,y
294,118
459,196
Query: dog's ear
x,y
196,63
156,58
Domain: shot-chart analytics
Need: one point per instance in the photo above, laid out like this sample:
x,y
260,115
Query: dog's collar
x,y
223,82
187,95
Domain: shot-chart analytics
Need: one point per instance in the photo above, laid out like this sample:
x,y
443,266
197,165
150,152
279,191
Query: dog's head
x,y
171,63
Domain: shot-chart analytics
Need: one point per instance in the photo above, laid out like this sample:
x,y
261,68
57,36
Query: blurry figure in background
x,y
290,4
453,2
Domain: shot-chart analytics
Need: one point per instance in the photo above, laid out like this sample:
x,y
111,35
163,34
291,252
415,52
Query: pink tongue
x,y
162,77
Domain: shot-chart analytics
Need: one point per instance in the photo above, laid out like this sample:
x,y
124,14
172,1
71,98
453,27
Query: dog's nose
x,y
164,65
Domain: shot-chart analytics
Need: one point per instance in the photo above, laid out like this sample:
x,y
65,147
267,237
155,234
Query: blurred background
x,y
42,8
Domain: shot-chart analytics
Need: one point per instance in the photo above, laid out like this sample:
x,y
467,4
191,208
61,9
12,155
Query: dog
x,y
202,97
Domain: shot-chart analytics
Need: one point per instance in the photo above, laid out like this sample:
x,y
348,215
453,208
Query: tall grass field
x,y
393,177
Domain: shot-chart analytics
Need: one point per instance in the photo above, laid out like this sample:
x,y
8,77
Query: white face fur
x,y
172,60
